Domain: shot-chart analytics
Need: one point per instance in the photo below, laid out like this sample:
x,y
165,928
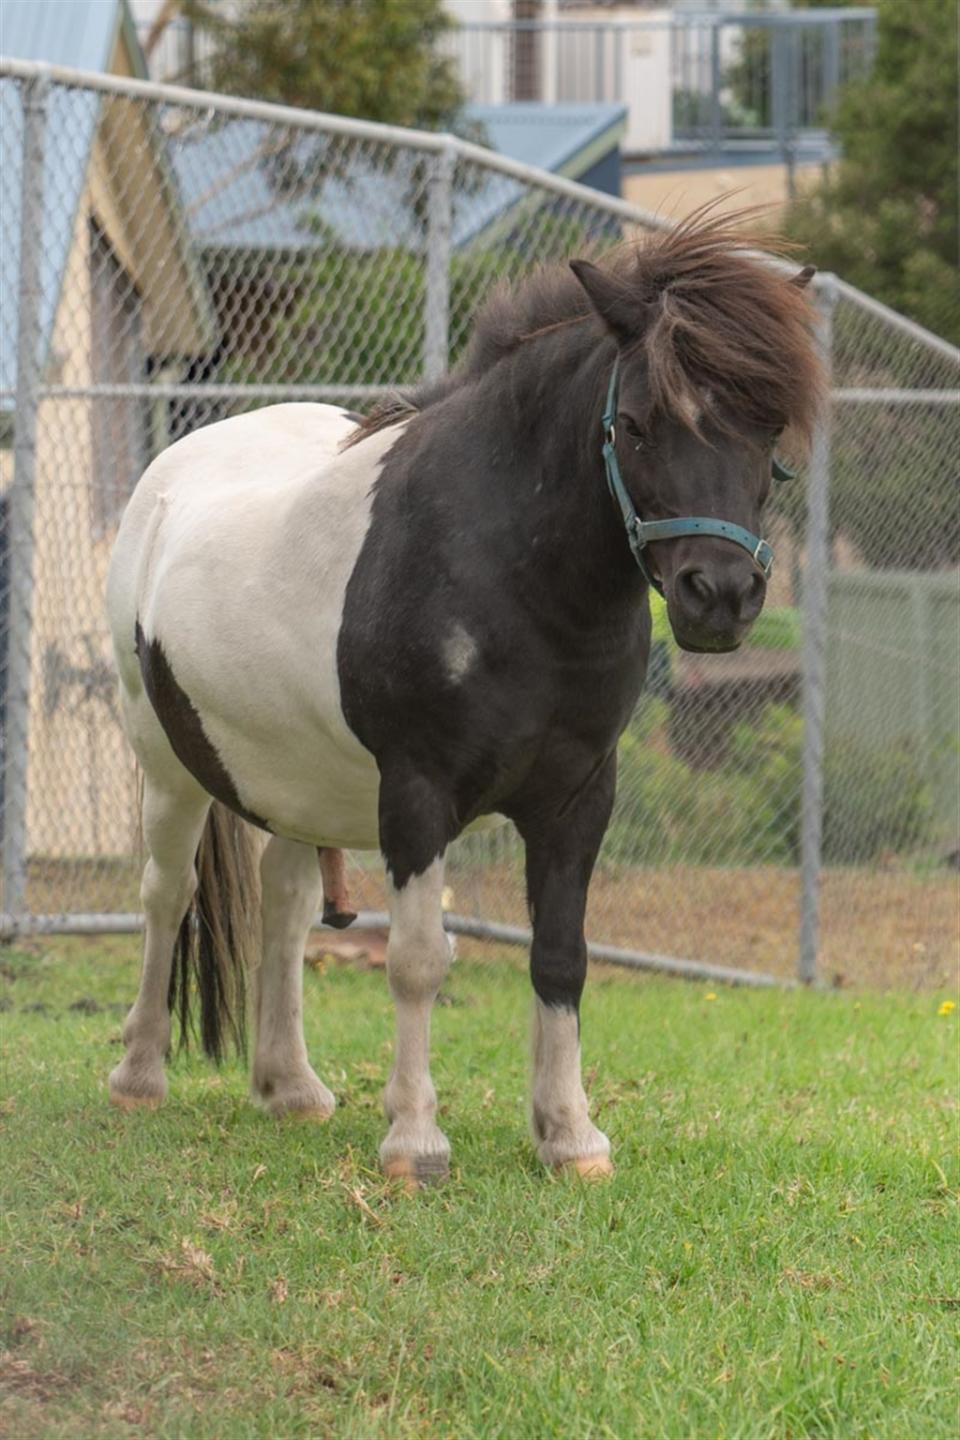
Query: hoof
x,y
134,1102
588,1167
338,919
311,1114
417,1171
297,1097
137,1087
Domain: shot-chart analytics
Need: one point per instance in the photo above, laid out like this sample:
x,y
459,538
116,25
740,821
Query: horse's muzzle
x,y
712,607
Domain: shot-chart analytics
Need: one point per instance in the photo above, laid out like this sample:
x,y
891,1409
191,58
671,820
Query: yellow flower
x,y
709,995
946,1007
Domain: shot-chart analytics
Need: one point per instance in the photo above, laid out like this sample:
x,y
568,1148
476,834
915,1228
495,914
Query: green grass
x,y
775,1256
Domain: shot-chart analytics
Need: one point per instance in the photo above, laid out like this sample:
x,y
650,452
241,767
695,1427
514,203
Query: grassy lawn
x,y
775,1257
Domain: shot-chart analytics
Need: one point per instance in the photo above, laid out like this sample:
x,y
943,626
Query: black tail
x,y
214,948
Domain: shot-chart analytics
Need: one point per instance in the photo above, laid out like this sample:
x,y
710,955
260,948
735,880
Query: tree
x,y
376,59
885,217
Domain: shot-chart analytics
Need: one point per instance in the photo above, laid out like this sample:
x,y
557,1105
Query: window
x,y
119,423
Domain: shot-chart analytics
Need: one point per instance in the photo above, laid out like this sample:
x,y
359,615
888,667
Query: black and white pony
x,y
381,634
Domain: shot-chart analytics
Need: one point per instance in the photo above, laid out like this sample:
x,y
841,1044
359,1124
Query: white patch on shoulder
x,y
459,652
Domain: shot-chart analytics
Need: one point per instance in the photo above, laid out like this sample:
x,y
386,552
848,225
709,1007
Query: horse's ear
x,y
802,280
616,308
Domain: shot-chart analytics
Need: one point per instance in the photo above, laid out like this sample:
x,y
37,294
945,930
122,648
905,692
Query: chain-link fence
x,y
169,258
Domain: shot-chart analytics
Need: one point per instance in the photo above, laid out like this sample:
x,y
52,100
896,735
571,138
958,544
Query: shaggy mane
x,y
712,315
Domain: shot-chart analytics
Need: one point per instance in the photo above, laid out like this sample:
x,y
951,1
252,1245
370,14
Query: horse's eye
x,y
631,428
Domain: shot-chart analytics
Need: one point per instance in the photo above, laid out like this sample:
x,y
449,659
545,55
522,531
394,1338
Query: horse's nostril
x,y
697,585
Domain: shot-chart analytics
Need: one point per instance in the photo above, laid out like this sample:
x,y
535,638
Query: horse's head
x,y
715,358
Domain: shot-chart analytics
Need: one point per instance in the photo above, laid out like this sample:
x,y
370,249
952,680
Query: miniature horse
x,y
381,635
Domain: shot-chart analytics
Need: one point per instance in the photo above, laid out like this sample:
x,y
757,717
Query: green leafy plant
x,y
875,801
376,59
885,216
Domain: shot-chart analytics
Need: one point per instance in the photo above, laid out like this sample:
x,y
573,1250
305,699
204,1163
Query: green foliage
x,y
894,489
777,627
347,317
749,812
874,800
354,317
885,218
375,59
893,486
675,813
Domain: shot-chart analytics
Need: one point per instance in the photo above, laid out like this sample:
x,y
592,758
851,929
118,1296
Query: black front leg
x,y
561,852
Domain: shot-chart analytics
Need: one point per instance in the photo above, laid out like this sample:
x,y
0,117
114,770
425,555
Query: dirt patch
x,y
879,929
19,1376
363,949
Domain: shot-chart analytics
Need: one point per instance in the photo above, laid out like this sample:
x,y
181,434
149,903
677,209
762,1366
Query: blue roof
x,y
234,201
70,32
71,113
551,137
80,33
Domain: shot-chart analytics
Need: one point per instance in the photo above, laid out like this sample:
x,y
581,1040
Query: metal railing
x,y
171,257
688,81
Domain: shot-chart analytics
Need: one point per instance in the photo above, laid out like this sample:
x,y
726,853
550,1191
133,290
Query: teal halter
x,y
641,532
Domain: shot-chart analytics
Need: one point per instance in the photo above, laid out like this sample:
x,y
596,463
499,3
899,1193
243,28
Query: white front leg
x,y
418,957
561,1119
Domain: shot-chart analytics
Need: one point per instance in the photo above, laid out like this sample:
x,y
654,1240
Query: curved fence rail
x,y
171,257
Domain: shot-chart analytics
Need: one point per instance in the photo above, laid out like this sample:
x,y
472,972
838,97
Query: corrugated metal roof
x,y
73,114
233,200
64,32
551,137
80,33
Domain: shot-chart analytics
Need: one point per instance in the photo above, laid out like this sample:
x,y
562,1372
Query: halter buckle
x,y
763,556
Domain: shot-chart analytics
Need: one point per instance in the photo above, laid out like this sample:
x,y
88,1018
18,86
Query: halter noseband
x,y
641,532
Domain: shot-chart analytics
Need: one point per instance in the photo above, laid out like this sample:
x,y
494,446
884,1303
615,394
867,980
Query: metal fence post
x,y
437,293
831,62
35,94
784,98
815,588
716,84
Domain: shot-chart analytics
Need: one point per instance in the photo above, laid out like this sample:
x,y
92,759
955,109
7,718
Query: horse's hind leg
x,y
282,1077
173,817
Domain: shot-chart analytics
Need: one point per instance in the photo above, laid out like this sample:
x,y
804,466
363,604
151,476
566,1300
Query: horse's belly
x,y
313,789
305,786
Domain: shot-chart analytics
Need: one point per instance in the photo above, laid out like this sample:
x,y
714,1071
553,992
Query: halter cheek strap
x,y
641,532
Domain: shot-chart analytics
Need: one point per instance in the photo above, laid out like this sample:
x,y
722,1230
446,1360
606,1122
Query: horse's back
x,y
196,487
263,448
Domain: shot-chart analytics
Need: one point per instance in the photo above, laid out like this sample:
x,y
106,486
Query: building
x,y
123,302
